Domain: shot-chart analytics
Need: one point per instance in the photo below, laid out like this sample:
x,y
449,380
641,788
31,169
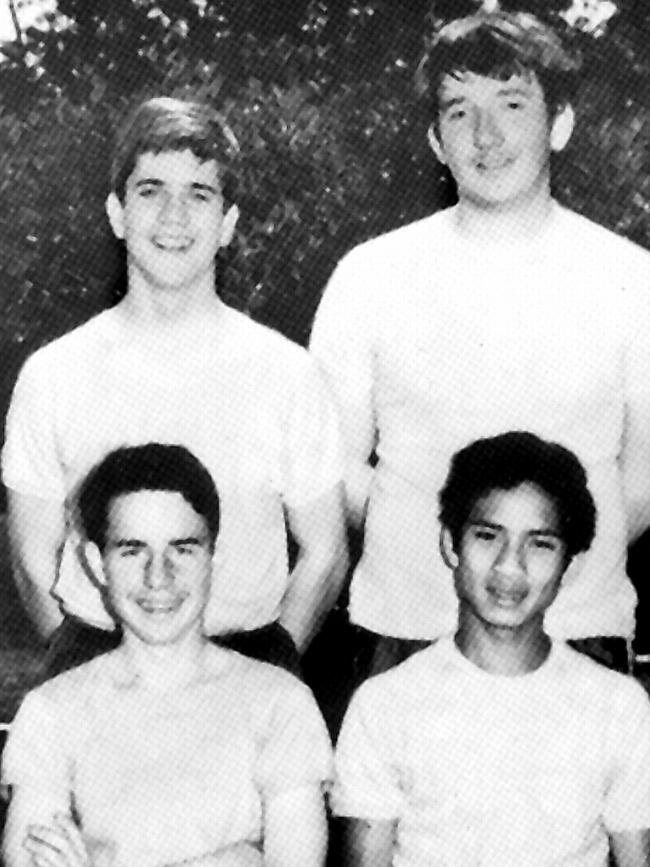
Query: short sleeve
x,y
627,795
342,340
29,458
34,754
367,778
312,457
295,748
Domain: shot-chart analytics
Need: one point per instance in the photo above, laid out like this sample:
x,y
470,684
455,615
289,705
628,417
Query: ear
x,y
115,214
436,145
562,127
447,549
228,225
576,563
94,560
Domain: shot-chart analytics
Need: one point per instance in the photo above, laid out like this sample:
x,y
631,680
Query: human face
x,y
172,220
510,559
157,564
496,138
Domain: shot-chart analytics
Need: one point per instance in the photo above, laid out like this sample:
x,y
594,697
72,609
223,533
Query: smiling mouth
x,y
172,245
505,599
493,165
159,609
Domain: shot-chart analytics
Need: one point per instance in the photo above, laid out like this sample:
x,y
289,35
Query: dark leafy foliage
x,y
333,144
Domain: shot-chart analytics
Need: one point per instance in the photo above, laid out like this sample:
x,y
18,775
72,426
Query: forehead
x,y
153,516
526,508
181,167
481,88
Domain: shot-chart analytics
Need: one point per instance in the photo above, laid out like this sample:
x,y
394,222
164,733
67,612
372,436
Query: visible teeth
x,y
171,244
158,609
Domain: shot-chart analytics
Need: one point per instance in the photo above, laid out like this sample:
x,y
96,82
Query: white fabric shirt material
x,y
252,407
167,777
478,769
431,341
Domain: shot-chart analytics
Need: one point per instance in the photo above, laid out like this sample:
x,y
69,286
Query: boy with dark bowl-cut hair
x,y
506,311
499,745
172,363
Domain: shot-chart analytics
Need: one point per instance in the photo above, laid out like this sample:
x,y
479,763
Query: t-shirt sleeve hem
x,y
366,812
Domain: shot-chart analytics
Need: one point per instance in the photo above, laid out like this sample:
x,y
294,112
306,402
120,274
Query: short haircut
x,y
169,124
509,460
499,45
150,467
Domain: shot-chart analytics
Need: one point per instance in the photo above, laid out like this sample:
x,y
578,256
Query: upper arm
x,y
368,843
340,341
635,447
295,828
631,848
319,526
36,530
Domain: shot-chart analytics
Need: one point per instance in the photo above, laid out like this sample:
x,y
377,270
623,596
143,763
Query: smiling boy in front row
x,y
168,750
500,746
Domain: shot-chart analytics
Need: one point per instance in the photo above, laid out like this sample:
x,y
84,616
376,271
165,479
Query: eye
x,y
456,114
515,104
202,195
129,552
545,544
485,535
185,550
147,191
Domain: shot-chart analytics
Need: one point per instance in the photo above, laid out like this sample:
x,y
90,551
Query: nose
x,y
487,131
510,562
158,572
174,210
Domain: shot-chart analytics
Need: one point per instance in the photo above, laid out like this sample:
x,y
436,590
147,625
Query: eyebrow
x,y
451,102
514,91
542,531
190,540
195,185
128,543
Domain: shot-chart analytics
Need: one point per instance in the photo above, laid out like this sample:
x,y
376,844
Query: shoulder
x,y
396,247
398,691
589,239
71,349
597,685
260,341
265,684
69,691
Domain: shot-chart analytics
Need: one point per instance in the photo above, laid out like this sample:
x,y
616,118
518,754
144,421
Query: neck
x,y
166,667
162,306
500,650
501,224
171,312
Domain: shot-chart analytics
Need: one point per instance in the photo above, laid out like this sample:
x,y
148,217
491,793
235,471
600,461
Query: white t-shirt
x,y
478,769
166,777
431,341
246,401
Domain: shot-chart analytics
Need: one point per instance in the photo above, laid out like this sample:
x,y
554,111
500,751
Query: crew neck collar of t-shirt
x,y
501,680
521,248
114,329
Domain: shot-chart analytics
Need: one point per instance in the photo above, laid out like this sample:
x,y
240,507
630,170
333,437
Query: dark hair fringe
x,y
509,460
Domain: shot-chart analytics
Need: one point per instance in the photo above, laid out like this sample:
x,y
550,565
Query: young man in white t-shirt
x,y
168,750
500,746
172,363
506,311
